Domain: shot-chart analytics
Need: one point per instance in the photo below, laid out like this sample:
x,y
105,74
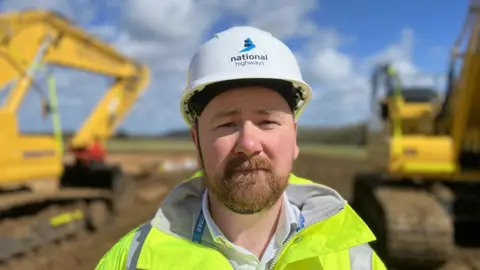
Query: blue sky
x,y
436,25
337,42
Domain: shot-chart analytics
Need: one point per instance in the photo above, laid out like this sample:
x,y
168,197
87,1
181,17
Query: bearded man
x,y
245,209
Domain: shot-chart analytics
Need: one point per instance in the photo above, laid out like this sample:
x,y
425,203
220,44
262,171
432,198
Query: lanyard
x,y
199,228
201,223
302,223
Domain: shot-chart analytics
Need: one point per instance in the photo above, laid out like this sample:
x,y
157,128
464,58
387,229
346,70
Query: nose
x,y
248,141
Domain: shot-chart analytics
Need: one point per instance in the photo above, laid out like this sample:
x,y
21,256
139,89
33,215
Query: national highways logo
x,y
246,57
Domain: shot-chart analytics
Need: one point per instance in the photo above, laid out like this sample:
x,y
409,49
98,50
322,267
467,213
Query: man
x,y
244,209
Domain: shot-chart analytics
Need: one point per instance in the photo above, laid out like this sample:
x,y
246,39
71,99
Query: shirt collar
x,y
287,224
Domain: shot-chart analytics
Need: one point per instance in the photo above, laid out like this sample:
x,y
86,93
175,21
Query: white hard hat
x,y
243,53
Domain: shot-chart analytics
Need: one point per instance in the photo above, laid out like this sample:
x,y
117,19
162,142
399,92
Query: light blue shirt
x,y
243,259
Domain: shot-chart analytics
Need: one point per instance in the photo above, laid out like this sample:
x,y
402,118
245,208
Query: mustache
x,y
243,163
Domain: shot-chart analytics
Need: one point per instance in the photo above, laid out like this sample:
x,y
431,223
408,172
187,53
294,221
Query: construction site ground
x,y
85,250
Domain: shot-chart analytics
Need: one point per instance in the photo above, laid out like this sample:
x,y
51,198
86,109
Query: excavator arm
x,y
32,38
460,116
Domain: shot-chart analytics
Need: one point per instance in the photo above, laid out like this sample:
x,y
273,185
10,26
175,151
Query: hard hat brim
x,y
304,90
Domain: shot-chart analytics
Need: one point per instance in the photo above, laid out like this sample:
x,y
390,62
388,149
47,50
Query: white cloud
x,y
283,18
399,52
165,34
343,82
400,55
332,66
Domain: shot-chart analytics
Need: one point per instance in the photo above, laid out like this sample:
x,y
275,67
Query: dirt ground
x,y
84,251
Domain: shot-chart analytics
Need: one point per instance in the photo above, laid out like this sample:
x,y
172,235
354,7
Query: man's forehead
x,y
248,95
253,100
232,111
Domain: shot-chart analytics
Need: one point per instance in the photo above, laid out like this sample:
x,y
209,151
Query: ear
x,y
296,150
194,137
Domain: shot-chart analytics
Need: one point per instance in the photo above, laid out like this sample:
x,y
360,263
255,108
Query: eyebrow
x,y
232,112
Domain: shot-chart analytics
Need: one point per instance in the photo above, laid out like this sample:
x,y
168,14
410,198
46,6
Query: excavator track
x,y
30,222
413,230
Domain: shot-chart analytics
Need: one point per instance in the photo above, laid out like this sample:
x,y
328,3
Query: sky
x,y
337,44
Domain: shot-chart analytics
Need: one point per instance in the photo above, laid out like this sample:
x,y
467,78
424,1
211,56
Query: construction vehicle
x,y
423,197
44,198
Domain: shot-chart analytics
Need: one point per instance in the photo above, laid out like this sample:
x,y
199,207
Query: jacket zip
x,y
287,242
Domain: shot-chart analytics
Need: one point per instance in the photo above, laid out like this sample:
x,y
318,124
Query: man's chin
x,y
250,200
250,185
249,191
248,208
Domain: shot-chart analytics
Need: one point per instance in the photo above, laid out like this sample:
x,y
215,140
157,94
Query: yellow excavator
x,y
423,198
44,198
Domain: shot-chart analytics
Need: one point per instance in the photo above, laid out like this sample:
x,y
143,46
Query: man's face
x,y
248,142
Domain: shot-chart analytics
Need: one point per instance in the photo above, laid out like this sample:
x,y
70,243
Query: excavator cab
x,y
411,95
413,106
26,155
419,94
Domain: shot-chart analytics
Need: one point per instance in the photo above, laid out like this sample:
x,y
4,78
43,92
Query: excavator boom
x,y
461,115
48,38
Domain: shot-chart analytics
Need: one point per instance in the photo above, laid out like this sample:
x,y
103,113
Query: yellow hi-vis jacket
x,y
334,236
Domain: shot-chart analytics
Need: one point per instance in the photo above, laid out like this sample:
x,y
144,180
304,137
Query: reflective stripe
x,y
136,245
361,257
